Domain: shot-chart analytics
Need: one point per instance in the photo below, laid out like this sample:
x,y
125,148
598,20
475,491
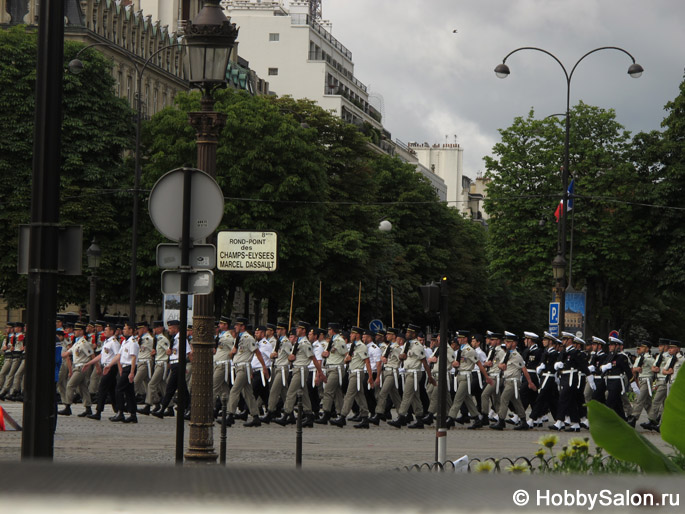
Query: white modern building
x,y
300,57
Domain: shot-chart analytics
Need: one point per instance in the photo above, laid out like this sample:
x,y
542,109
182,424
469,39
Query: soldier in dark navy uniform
x,y
532,355
570,366
617,372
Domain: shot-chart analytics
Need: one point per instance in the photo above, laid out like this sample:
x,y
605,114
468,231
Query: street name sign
x,y
247,251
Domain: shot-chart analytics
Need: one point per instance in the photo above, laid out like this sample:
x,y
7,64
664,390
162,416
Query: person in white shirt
x,y
173,382
107,386
125,391
259,379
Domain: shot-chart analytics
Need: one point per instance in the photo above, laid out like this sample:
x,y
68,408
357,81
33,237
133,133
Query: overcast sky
x,y
435,83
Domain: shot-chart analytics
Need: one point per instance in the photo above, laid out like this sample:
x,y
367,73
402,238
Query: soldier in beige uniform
x,y
79,355
243,351
642,371
145,361
302,354
7,346
414,357
511,367
222,361
666,371
160,366
19,364
359,365
490,395
388,376
334,363
465,361
280,376
94,380
431,390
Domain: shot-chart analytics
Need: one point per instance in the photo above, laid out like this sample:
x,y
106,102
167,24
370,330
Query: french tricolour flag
x,y
569,203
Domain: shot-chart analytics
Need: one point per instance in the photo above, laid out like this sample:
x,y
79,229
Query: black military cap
x,y
509,336
434,335
59,331
303,324
249,327
142,324
241,320
11,324
463,333
19,324
381,331
80,326
225,319
334,326
100,322
282,324
675,343
494,335
663,341
292,332
261,327
173,323
68,324
646,344
111,325
413,328
369,332
270,326
393,330
357,330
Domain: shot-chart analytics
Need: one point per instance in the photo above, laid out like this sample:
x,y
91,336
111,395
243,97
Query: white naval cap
x,y
531,335
510,335
549,336
567,335
599,340
577,339
615,340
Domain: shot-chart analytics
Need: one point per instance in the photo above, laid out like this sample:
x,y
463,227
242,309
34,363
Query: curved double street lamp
x,y
502,71
76,67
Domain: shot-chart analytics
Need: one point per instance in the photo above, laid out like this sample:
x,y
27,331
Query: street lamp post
x,y
76,67
93,253
210,38
502,71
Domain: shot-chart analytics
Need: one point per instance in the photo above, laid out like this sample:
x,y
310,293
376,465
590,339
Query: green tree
x,y
97,128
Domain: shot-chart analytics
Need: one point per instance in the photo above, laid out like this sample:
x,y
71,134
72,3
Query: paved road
x,y
152,441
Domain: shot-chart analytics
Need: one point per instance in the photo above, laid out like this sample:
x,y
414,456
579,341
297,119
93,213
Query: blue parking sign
x,y
554,313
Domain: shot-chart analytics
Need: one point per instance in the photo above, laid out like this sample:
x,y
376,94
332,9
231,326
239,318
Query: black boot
x,y
449,422
158,408
285,419
254,423
364,423
186,415
339,421
417,424
145,410
119,417
323,420
308,420
66,411
131,419
169,412
94,416
522,425
241,416
462,420
266,418
631,421
85,413
399,422
428,419
375,419
158,413
477,423
498,426
356,417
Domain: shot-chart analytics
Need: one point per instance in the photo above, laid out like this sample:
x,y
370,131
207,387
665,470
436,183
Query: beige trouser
x,y
644,401
94,382
432,392
355,393
660,391
142,378
332,392
77,381
489,399
5,371
221,380
242,386
9,378
189,376
278,391
18,383
462,396
156,386
388,388
62,380
410,396
300,376
511,393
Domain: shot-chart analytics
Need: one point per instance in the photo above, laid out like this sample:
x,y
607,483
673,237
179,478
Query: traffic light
x,y
430,295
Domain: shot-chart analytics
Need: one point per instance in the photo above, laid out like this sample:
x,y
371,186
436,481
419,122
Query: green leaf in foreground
x,y
673,419
621,440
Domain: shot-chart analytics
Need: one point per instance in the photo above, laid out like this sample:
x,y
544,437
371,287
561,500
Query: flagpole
x,y
392,309
319,325
359,303
290,316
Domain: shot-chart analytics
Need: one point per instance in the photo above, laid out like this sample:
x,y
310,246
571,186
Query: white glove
x,y
635,387
591,368
591,381
539,369
558,365
606,366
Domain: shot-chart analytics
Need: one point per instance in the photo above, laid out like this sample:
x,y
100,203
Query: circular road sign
x,y
206,204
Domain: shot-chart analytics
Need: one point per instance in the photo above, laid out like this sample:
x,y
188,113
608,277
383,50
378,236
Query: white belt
x,y
415,372
649,385
339,368
516,386
466,374
479,375
149,367
303,370
570,372
618,377
284,372
225,365
395,375
359,373
544,381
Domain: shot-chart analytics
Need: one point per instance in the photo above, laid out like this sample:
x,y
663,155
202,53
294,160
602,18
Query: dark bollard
x,y
222,447
298,443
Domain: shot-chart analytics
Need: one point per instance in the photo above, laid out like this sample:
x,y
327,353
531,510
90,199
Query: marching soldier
x,y
302,354
159,362
174,381
7,347
616,371
596,360
260,387
94,381
334,362
642,371
126,360
107,384
222,363
570,366
388,377
668,367
489,398
243,352
9,390
375,354
79,354
414,357
145,361
512,367
532,354
280,376
359,366
548,393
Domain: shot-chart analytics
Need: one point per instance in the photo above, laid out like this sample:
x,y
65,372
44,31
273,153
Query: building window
x,y
274,36
273,71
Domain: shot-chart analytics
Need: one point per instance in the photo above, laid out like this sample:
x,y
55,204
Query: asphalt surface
x,y
152,442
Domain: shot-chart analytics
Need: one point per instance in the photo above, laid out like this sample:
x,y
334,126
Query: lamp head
x,y
635,70
76,66
502,71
